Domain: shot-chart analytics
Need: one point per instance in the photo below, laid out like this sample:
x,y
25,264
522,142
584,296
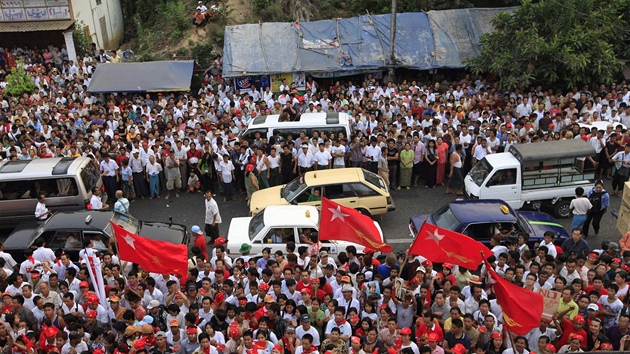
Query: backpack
x,y
596,200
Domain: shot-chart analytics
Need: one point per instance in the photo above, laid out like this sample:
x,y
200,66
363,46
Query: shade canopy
x,y
162,76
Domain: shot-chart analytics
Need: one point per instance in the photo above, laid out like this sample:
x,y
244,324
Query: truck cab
x,y
534,176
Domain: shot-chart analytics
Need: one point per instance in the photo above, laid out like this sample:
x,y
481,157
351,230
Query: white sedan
x,y
276,225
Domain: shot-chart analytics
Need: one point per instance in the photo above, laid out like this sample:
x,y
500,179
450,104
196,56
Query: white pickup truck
x,y
534,176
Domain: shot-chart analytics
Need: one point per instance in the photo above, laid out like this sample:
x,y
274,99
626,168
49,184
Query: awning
x,y
142,77
35,26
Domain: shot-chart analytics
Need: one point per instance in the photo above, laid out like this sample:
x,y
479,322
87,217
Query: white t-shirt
x,y
212,209
41,211
96,203
226,169
580,206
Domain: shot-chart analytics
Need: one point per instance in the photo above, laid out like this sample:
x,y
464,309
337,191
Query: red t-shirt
x,y
423,329
590,288
567,330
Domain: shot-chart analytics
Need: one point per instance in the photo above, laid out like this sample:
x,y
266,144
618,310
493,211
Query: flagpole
x,y
509,334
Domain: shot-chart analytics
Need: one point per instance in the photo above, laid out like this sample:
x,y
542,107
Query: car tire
x,y
561,209
364,212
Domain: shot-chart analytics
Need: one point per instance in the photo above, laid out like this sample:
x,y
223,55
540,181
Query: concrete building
x,y
44,22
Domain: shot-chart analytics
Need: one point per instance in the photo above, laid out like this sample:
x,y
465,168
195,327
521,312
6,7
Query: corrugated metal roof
x,y
35,26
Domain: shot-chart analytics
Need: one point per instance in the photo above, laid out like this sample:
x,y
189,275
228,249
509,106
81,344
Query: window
x,y
100,241
337,191
65,240
90,176
480,231
12,190
280,235
364,191
59,187
503,178
256,224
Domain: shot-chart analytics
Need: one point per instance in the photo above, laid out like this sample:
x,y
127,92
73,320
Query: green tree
x,y
81,41
564,42
18,81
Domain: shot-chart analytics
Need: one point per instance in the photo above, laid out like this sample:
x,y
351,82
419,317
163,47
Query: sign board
x,y
551,300
34,10
245,83
623,219
276,81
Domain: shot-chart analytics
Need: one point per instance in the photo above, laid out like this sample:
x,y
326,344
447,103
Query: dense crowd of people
x,y
303,301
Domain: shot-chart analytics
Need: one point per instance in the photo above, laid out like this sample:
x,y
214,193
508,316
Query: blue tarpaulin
x,y
424,41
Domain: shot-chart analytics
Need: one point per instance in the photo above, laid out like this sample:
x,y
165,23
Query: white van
x,y
66,182
533,176
332,123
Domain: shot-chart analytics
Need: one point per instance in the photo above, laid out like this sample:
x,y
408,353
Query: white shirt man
x,y
322,158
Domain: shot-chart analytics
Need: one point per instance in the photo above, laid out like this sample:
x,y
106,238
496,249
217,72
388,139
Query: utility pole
x,y
392,43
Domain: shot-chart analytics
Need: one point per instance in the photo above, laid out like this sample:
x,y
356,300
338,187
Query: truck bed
x,y
564,177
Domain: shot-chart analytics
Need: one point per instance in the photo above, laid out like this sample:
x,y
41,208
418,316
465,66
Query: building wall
x,y
103,19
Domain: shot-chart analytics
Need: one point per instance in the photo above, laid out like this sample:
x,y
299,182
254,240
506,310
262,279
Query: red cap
x,y
414,280
238,112
355,340
405,330
625,268
427,263
220,347
594,255
139,345
458,349
447,266
91,314
354,319
576,336
552,348
496,335
220,241
219,298
579,319
84,284
433,337
603,346
191,330
305,291
368,250
616,260
263,287
233,332
482,329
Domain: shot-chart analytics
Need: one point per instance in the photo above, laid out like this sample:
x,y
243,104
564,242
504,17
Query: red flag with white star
x,y
522,308
340,223
152,255
441,245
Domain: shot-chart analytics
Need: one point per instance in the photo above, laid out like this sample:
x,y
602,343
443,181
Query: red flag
x,y
522,308
441,245
346,224
154,256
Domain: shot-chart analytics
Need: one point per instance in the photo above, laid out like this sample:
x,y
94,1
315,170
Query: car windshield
x,y
292,189
126,222
374,179
445,218
256,224
480,172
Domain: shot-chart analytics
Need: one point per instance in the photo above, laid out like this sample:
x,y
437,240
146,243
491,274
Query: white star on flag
x,y
337,214
435,236
130,241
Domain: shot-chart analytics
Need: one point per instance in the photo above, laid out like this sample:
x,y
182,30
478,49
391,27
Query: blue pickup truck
x,y
480,219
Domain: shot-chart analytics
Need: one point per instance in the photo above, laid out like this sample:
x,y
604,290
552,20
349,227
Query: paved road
x,y
189,210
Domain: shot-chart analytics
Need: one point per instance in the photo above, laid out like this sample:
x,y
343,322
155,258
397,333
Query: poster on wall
x,y
300,81
13,15
245,83
11,3
36,13
276,81
34,3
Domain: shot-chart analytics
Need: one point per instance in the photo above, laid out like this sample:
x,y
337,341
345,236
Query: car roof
x,y
41,167
287,215
467,211
76,220
338,175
